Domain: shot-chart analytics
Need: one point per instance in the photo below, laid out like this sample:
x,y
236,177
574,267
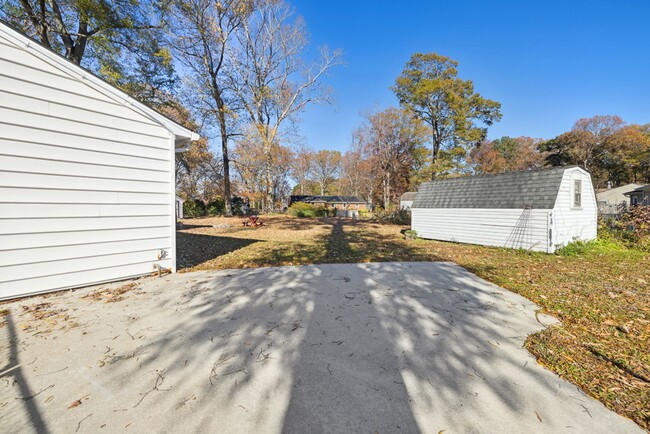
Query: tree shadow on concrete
x,y
22,410
377,347
195,249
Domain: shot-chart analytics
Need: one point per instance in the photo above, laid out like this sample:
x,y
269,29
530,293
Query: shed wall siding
x,y
515,228
575,223
86,183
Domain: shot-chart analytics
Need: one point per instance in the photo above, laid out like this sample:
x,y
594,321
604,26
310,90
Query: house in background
x,y
87,188
613,201
333,202
406,200
537,210
640,196
179,207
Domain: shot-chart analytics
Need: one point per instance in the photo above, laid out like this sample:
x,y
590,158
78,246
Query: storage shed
x,y
406,200
537,210
87,188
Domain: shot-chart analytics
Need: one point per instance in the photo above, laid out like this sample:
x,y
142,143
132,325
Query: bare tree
x,y
325,167
202,31
388,141
270,77
301,165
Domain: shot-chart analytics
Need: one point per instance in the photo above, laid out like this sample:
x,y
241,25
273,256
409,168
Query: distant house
x,y
536,210
179,207
640,195
406,200
87,175
335,202
611,201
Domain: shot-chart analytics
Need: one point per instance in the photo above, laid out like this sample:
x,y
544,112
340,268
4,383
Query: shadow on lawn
x,y
194,249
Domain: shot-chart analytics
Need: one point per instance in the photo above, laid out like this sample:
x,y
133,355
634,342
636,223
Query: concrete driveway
x,y
390,347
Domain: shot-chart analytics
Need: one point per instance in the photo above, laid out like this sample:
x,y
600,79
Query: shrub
x,y
636,227
193,208
301,209
397,217
216,207
364,213
605,243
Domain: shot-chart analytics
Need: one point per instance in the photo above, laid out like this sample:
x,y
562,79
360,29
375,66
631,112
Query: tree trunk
x,y
268,193
434,153
223,130
386,191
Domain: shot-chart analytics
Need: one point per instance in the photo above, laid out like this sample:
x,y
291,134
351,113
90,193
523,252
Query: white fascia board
x,y
95,82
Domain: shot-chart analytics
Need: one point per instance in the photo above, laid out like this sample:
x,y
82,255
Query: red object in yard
x,y
253,221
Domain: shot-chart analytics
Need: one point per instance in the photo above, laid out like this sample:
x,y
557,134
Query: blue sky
x,y
548,63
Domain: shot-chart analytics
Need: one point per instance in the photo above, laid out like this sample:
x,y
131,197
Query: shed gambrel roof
x,y
409,195
536,189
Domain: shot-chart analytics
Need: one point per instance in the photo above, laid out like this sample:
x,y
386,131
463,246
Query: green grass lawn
x,y
600,293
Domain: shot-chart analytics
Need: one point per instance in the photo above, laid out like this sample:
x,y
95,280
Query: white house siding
x,y
571,223
515,228
86,182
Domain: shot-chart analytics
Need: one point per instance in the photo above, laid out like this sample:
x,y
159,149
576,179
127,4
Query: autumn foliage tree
x,y
388,140
429,86
507,154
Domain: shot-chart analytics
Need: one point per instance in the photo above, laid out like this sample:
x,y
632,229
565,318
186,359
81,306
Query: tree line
x,y
241,71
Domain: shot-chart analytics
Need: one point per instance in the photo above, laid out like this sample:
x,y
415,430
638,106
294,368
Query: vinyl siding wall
x,y
515,228
86,183
571,223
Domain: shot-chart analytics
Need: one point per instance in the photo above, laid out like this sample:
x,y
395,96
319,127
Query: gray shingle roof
x,y
518,190
409,195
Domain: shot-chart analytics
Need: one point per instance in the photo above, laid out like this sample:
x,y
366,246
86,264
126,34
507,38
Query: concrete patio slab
x,y
379,347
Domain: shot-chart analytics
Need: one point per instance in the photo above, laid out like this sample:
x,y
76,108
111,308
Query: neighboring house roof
x,y
642,189
616,195
94,81
326,199
516,190
409,195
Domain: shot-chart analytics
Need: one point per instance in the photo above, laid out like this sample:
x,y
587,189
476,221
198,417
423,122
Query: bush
x,y
301,209
637,220
216,207
397,217
193,208
364,214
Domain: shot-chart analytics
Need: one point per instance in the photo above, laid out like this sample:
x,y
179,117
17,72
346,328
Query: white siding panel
x,y
52,196
32,241
48,254
54,167
79,278
13,147
48,225
32,180
575,223
527,229
86,181
19,133
85,102
56,110
48,210
34,120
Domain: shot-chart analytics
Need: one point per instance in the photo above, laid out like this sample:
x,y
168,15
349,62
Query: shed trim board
x,y
531,210
87,176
